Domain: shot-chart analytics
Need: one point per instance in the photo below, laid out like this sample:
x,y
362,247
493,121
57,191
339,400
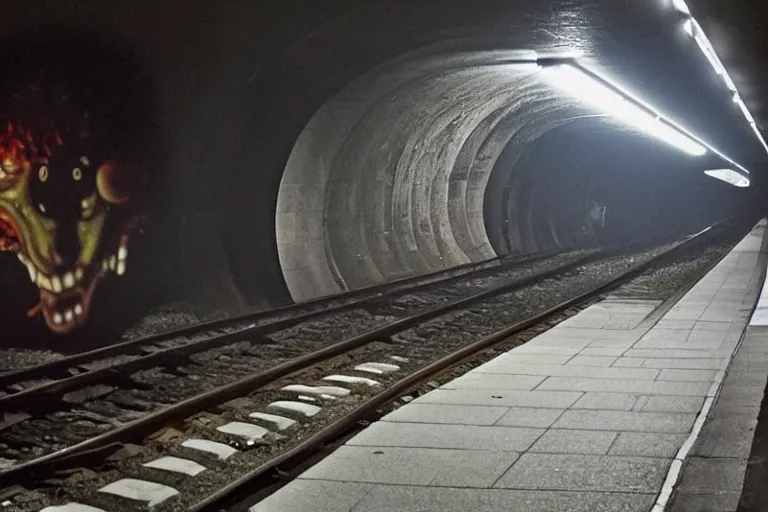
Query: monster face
x,y
67,211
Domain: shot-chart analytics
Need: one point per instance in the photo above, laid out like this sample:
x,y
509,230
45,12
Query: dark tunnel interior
x,y
292,157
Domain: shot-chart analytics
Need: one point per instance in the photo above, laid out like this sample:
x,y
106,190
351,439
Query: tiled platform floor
x,y
588,416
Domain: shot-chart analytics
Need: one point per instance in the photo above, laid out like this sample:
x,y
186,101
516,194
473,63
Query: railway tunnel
x,y
300,150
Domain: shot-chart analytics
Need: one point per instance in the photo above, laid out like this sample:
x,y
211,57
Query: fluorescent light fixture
x,y
688,27
592,91
692,27
729,176
681,6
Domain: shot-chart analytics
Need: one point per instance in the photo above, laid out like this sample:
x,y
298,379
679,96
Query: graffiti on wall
x,y
69,199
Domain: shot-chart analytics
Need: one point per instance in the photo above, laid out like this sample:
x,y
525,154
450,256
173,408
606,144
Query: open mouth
x,y
65,297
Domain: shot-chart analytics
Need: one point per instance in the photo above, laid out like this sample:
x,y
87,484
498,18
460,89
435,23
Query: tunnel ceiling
x,y
737,30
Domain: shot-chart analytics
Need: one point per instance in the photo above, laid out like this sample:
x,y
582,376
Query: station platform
x,y
618,409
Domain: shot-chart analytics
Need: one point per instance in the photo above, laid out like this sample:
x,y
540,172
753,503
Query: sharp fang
x,y
69,280
32,272
112,263
122,253
79,273
56,318
56,284
78,309
43,281
68,316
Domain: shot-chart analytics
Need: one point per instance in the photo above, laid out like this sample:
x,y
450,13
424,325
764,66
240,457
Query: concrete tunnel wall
x,y
397,175
388,179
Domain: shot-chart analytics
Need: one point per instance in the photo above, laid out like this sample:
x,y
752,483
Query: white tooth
x,y
112,263
69,280
43,281
56,318
56,284
32,272
21,257
78,309
68,316
121,267
79,274
105,265
122,253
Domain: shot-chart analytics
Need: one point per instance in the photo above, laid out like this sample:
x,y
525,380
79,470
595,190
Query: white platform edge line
x,y
676,468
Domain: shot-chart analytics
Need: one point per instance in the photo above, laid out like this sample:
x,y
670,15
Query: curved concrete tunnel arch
x,y
394,175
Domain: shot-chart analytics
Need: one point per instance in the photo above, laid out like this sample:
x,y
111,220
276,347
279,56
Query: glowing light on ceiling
x,y
590,90
729,176
693,29
681,6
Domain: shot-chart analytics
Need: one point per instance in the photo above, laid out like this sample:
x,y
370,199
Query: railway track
x,y
371,364
130,387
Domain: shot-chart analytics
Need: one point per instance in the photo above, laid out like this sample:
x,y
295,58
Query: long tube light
x,y
606,96
578,83
729,176
692,27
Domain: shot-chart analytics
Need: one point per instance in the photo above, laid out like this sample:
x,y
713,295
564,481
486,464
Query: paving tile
x,y
607,401
595,351
648,445
140,490
689,404
530,417
665,324
317,496
679,345
501,397
625,386
391,498
609,343
448,414
713,326
571,371
710,474
706,335
687,375
413,466
683,364
662,353
588,442
520,357
666,334
585,473
628,421
176,465
536,348
460,437
629,362
584,360
495,381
